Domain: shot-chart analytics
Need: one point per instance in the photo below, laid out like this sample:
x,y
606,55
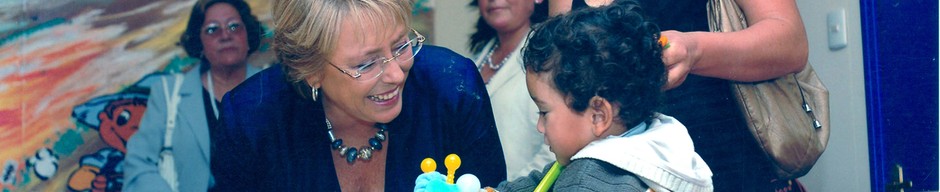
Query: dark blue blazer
x,y
274,139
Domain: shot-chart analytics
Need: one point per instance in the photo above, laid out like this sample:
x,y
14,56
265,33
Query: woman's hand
x,y
773,45
679,57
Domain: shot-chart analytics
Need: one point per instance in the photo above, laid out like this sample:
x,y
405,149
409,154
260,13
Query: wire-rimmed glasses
x,y
369,70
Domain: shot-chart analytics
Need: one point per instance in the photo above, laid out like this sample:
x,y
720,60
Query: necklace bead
x,y
365,153
488,60
351,153
380,136
337,144
375,143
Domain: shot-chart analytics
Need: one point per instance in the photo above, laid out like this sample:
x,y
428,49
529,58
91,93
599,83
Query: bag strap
x,y
172,102
167,166
806,107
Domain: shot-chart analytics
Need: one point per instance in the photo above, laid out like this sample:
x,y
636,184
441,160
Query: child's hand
x,y
424,179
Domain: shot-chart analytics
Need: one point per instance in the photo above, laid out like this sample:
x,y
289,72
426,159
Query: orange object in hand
x,y
663,41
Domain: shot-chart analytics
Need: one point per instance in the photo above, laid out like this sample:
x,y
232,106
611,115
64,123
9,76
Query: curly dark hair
x,y
190,39
609,51
485,32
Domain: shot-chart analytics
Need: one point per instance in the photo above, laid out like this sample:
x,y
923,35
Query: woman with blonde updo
x,y
338,115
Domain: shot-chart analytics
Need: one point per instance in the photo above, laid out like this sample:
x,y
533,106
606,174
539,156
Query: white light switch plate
x,y
836,29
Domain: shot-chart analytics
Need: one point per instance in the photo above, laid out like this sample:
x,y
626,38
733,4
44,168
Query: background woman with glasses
x,y
222,33
502,31
338,115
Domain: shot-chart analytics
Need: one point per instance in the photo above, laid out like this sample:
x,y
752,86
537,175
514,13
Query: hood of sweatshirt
x,y
663,156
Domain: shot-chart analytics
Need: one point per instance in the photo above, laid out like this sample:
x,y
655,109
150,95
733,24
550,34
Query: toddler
x,y
596,75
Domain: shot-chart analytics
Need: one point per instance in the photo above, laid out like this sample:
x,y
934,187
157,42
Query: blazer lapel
x,y
194,112
195,117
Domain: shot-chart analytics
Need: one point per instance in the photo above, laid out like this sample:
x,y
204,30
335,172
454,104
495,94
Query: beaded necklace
x,y
488,60
351,153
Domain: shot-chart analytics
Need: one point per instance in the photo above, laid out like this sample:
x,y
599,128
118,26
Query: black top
x,y
210,115
211,120
679,15
707,107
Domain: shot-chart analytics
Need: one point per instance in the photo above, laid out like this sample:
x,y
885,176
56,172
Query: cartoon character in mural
x,y
9,172
100,171
116,117
45,163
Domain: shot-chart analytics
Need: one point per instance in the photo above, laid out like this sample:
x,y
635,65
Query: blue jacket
x,y
190,139
273,139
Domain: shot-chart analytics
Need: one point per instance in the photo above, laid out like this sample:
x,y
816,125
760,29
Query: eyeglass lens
x,y
402,54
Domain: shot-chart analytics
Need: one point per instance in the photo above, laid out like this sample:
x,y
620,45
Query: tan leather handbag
x,y
789,115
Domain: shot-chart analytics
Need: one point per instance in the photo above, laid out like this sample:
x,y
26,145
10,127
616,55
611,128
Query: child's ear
x,y
602,113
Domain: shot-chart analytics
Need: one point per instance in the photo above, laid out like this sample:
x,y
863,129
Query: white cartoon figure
x,y
45,163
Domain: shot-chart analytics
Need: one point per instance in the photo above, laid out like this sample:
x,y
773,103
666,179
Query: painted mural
x,y
74,81
75,77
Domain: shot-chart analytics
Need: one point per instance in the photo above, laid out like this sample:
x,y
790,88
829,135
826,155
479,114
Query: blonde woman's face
x,y
373,100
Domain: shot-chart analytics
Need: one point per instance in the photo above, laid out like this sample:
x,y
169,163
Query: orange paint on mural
x,y
45,102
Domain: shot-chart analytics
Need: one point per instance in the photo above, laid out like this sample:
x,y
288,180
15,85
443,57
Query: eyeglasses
x,y
213,29
368,70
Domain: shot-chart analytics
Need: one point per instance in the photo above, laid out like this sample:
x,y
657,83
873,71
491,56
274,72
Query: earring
x,y
314,91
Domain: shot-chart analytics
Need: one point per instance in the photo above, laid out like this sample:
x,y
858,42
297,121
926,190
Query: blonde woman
x,y
357,104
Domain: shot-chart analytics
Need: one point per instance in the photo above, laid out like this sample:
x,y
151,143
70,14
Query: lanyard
x,y
215,109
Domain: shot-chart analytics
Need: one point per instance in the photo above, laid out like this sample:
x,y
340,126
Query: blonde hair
x,y
306,31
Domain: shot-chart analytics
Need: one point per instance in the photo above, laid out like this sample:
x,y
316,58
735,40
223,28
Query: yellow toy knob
x,y
452,162
428,165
